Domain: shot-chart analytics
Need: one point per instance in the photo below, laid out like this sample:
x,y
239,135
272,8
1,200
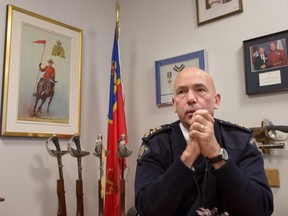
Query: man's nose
x,y
191,97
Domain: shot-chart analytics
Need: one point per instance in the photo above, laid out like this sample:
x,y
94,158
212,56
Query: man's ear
x,y
217,100
174,106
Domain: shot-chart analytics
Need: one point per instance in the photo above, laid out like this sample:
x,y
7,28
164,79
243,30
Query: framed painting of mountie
x,y
211,10
266,64
167,69
42,76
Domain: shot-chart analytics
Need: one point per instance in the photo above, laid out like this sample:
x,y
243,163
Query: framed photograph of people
x,y
167,69
211,10
266,65
42,76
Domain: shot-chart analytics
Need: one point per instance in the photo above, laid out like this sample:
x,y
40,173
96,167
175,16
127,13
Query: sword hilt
x,y
55,140
99,147
76,152
282,128
55,153
122,151
76,140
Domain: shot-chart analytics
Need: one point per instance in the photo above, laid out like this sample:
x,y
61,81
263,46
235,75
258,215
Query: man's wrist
x,y
219,164
222,156
187,159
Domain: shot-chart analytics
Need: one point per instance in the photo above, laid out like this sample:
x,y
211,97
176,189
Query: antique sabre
x,y
101,153
271,130
269,136
123,152
78,153
60,182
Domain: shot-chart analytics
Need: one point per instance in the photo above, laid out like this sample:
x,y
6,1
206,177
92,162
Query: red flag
x,y
40,42
116,127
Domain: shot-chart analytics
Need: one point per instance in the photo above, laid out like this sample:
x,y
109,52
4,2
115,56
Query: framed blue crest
x,y
167,69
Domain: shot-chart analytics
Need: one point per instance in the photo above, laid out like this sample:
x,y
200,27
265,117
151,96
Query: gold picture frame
x,y
211,10
32,43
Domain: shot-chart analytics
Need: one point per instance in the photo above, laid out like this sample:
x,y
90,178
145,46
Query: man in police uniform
x,y
200,164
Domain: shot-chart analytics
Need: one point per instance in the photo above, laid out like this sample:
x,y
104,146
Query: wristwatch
x,y
223,155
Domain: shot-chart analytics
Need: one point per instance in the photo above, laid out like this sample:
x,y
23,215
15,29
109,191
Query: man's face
x,y
273,46
194,89
261,50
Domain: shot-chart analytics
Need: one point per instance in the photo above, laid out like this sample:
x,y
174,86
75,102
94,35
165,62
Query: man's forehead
x,y
194,78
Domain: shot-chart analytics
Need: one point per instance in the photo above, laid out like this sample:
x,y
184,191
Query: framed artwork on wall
x,y
42,76
167,69
211,10
266,65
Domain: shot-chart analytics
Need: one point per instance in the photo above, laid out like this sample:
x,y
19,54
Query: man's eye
x,y
180,92
201,90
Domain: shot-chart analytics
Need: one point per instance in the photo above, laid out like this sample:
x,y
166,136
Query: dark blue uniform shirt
x,y
165,186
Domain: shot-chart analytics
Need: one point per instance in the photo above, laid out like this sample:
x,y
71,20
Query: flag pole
x,y
117,11
122,202
117,8
116,127
117,18
35,87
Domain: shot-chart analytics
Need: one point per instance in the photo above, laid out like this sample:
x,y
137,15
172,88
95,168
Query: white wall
x,y
150,30
28,173
154,30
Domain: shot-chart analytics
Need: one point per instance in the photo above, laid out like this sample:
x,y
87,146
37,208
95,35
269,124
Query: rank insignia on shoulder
x,y
152,131
234,124
155,131
143,151
253,142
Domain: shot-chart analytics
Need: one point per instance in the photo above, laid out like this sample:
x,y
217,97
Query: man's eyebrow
x,y
200,85
180,87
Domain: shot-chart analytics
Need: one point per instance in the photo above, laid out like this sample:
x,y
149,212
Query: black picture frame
x,y
272,74
209,11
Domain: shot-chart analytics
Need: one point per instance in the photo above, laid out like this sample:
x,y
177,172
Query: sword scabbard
x,y
61,198
79,195
100,199
122,196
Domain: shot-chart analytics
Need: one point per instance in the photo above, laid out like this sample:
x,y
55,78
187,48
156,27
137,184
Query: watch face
x,y
224,154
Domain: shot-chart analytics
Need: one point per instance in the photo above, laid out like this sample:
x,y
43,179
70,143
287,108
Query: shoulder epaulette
x,y
155,131
233,125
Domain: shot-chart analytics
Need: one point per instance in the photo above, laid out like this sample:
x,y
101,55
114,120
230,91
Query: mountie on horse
x,y
45,87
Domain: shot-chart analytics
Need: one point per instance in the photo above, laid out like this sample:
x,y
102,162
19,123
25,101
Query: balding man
x,y
200,164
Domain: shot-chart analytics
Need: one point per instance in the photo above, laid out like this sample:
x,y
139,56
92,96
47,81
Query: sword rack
x,y
267,140
100,152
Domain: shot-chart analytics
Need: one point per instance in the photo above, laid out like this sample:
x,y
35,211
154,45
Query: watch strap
x,y
222,156
215,159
